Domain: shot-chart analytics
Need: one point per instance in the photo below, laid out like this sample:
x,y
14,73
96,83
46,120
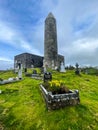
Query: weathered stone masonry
x,y
50,43
51,55
27,60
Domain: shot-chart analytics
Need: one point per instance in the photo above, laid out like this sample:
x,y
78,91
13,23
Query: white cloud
x,y
77,30
13,37
86,45
6,63
5,59
6,33
83,51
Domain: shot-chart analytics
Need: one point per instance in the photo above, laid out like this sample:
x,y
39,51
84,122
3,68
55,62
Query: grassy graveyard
x,y
22,106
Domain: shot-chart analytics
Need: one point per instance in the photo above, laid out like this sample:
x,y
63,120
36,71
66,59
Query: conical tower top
x,y
50,15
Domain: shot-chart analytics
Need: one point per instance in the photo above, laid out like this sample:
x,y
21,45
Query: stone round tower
x,y
50,41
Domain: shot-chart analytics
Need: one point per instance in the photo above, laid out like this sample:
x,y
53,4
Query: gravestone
x,y
34,71
53,67
25,70
47,76
16,68
86,71
20,74
45,66
45,69
20,71
36,75
0,91
32,66
62,68
56,68
77,72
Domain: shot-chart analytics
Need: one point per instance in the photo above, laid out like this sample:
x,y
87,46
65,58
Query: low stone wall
x,y
34,76
37,76
58,101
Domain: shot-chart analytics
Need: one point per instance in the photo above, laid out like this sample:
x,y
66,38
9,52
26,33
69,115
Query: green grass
x,y
22,106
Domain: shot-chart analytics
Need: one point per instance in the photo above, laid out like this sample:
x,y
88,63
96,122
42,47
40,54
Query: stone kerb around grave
x,y
10,80
57,101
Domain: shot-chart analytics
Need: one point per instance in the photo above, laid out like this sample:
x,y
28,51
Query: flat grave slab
x,y
10,80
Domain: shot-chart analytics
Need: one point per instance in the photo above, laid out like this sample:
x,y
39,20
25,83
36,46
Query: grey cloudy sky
x,y
22,29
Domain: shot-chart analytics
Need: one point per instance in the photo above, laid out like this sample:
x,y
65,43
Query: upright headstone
x,y
25,70
53,67
16,67
45,66
62,68
77,69
0,91
34,71
32,66
45,69
47,76
20,71
87,71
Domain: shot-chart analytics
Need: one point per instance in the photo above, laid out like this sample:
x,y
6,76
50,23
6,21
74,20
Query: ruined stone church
x,y
51,57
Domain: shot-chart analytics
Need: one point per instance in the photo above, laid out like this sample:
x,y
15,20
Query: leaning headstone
x,y
62,68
